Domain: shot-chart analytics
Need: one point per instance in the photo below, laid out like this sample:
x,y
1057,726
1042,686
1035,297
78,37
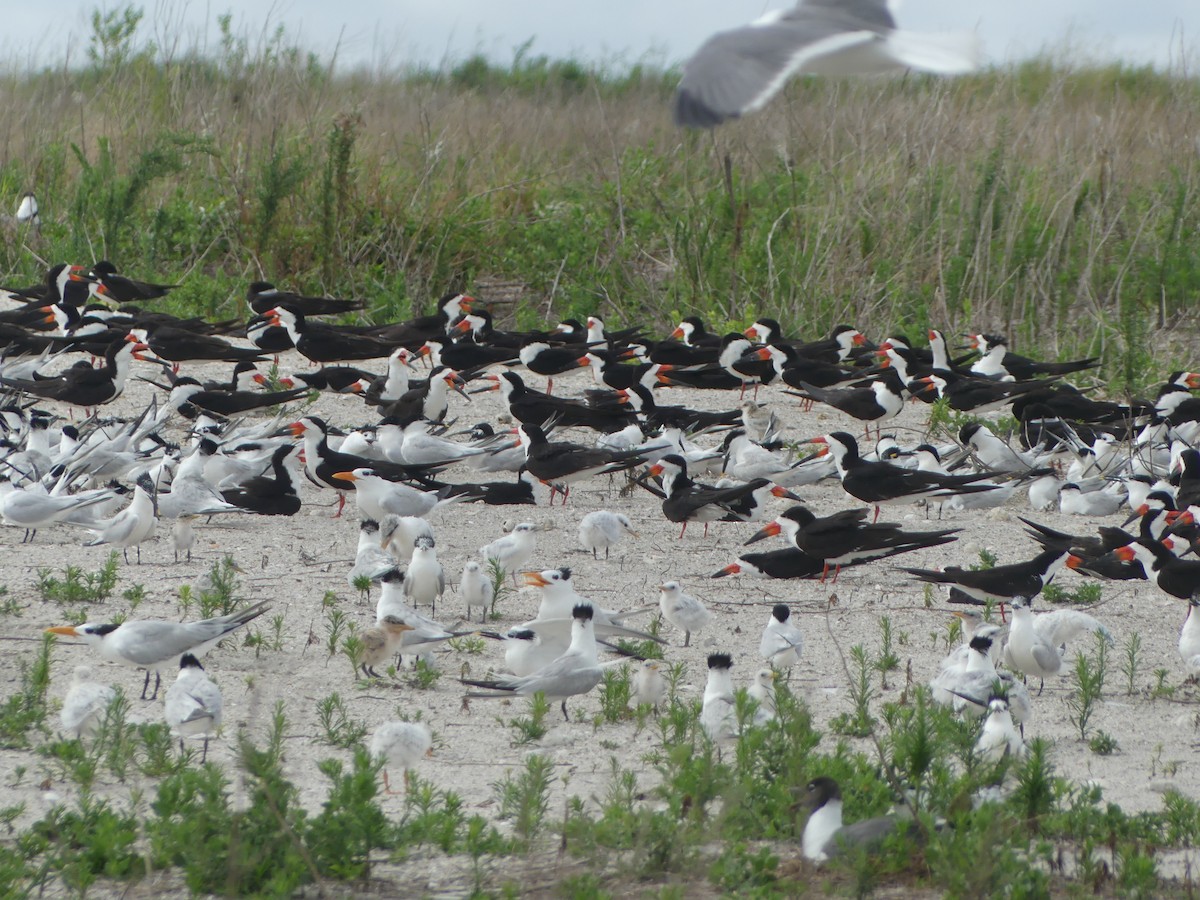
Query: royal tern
x,y
682,610
782,643
400,745
32,508
762,690
132,525
601,529
824,834
85,704
476,589
559,598
193,703
576,672
153,645
718,716
378,497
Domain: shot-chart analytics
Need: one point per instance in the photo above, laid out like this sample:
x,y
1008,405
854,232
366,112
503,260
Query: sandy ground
x,y
294,562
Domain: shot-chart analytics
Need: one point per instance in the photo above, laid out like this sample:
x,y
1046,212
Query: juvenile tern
x,y
762,690
999,738
476,589
601,529
152,645
424,580
682,610
381,643
649,685
400,745
514,550
132,525
85,704
193,703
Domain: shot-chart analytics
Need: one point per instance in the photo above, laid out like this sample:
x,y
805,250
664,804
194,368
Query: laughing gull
x,y
738,71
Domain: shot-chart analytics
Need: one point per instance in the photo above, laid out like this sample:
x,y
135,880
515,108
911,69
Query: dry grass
x,y
1054,206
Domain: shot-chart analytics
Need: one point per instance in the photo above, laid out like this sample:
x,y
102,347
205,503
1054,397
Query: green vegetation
x,y
1052,205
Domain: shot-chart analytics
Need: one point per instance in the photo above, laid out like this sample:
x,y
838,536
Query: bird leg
x,y
204,753
564,709
824,572
876,519
706,529
687,637
341,504
681,531
837,570
387,787
145,686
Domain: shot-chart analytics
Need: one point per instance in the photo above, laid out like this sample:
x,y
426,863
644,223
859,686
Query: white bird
x,y
996,455
425,633
400,745
1189,640
85,704
782,643
476,588
425,580
682,610
601,529
381,643
514,550
762,690
32,508
152,645
132,525
527,649
183,536
576,672
738,71
718,716
27,210
999,738
419,447
193,703
377,497
1034,642
824,834
1043,491
649,685
559,598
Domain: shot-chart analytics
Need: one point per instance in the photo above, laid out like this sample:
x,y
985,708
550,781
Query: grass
x,y
1048,204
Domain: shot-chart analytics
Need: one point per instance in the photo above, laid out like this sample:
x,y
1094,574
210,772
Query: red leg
x,y
341,505
681,531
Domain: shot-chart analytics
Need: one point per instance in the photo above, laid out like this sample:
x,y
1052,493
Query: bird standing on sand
x,y
193,704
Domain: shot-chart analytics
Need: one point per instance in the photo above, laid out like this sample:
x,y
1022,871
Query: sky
x,y
396,33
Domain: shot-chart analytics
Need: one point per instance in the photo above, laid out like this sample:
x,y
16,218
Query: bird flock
x,y
406,452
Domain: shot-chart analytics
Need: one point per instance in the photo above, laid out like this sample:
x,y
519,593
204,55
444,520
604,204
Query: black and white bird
x,y
718,714
576,672
825,835
782,643
193,704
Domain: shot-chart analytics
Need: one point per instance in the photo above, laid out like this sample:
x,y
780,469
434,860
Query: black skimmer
x,y
1002,583
686,501
654,416
178,345
324,343
561,463
264,297
81,385
997,361
879,401
536,408
119,288
880,483
845,537
268,495
543,359
738,71
978,395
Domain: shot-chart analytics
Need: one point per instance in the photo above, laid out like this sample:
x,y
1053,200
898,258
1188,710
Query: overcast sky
x,y
394,33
